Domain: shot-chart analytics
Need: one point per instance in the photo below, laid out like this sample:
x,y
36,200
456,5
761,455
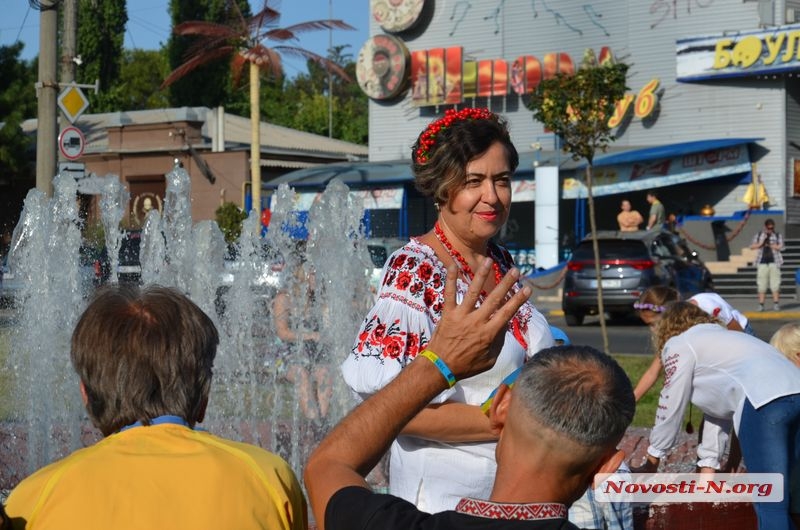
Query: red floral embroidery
x,y
362,337
430,297
392,346
412,345
425,271
403,280
414,280
378,333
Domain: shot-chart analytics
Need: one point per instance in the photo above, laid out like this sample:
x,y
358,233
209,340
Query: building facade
x,y
141,147
713,102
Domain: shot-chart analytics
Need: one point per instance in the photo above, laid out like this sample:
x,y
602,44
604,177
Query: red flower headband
x,y
428,138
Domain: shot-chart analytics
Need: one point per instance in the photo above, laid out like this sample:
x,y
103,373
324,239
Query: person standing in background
x,y
769,244
658,215
628,219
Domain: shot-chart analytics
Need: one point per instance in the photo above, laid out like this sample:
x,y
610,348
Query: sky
x,y
149,25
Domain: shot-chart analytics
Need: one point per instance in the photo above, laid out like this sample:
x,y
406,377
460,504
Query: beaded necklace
x,y
515,324
498,273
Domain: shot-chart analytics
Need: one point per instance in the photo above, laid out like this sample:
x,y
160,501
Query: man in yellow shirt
x,y
144,360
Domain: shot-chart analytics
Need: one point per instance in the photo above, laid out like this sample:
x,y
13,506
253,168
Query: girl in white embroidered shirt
x,y
723,373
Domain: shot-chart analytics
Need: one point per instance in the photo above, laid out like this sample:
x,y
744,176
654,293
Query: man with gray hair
x,y
557,428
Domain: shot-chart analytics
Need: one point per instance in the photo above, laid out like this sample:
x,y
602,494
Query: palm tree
x,y
242,39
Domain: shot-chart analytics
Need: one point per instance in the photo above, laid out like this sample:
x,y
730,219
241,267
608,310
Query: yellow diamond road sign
x,y
72,102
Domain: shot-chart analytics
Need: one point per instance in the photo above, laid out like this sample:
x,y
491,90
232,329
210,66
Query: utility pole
x,y
330,74
47,127
69,44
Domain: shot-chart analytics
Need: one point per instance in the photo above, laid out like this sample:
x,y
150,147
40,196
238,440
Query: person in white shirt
x,y
715,433
730,376
716,306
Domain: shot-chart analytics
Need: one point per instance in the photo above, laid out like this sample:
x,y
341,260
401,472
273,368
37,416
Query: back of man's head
x,y
580,395
143,354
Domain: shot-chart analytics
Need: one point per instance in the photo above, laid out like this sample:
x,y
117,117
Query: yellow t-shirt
x,y
162,476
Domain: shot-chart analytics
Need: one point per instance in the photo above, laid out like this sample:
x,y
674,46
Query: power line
x,y
23,24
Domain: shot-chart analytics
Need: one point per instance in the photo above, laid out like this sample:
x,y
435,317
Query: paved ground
x,y
790,307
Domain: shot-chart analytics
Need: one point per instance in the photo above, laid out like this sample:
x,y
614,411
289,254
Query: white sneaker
x,y
776,306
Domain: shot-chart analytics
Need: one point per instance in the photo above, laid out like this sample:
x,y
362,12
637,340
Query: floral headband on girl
x,y
650,307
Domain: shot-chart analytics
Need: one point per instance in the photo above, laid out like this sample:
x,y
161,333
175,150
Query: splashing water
x,y
255,394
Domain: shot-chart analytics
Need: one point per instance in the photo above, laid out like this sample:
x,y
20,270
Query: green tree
x,y
242,40
305,104
577,108
101,34
229,219
17,103
140,79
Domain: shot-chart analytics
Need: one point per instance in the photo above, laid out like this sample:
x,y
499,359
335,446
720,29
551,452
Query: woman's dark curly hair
x,y
442,168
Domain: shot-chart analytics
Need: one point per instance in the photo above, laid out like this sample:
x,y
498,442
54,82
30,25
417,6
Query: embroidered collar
x,y
516,511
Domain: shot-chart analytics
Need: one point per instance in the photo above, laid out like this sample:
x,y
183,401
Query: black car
x,y
630,262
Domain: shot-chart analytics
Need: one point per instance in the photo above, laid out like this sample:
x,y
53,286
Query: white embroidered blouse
x,y
433,475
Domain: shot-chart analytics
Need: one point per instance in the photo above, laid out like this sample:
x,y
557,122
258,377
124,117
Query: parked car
x,y
12,283
379,251
630,262
129,268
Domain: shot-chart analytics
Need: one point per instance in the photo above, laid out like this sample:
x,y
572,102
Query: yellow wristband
x,y
438,363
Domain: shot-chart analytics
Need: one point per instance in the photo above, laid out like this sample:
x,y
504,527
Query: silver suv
x,y
630,262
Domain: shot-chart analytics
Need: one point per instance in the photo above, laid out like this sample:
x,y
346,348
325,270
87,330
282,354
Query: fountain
x,y
251,398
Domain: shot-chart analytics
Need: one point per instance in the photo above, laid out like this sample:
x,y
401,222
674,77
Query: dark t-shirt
x,y
355,508
766,251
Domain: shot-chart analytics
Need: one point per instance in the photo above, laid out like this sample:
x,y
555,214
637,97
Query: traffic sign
x,y
76,169
72,102
71,143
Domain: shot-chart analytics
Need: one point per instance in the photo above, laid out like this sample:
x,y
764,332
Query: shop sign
x,y
441,76
395,16
690,167
371,199
381,67
742,54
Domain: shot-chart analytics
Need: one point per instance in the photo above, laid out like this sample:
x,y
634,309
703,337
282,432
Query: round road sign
x,y
71,143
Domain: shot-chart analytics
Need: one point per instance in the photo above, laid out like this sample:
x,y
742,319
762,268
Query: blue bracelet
x,y
448,375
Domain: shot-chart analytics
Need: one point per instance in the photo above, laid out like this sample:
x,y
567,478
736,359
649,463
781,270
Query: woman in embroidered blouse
x,y
464,162
731,376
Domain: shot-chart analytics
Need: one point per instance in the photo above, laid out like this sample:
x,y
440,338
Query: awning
x,y
623,171
354,174
371,199
667,165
